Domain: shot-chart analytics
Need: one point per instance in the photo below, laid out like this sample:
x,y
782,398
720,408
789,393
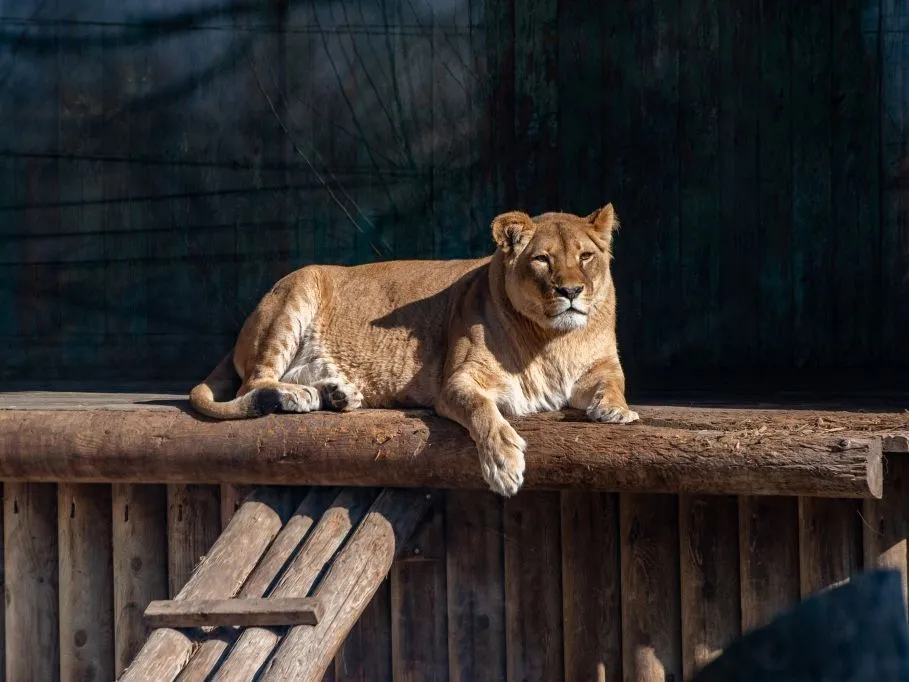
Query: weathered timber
x,y
260,582
673,450
242,612
219,575
139,526
830,543
885,526
85,583
30,571
355,574
193,524
255,645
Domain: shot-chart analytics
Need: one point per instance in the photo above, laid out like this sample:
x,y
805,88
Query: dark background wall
x,y
163,163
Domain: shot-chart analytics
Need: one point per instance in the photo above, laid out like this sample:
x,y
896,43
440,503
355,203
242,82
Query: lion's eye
x,y
540,259
586,256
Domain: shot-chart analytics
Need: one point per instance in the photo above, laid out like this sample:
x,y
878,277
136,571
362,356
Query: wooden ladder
x,y
281,587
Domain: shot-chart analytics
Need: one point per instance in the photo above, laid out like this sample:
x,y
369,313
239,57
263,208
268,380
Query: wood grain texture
x,y
219,575
885,522
139,528
86,583
366,653
338,516
31,570
476,590
651,618
721,451
238,611
709,571
419,603
193,525
768,557
830,542
349,584
533,587
591,575
232,497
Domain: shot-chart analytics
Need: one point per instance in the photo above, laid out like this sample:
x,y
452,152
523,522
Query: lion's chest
x,y
542,388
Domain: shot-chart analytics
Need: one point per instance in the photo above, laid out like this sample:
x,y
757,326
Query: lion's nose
x,y
570,293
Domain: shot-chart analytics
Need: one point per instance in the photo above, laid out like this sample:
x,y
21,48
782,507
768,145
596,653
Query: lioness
x,y
529,329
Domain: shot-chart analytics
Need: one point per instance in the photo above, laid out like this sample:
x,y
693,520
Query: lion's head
x,y
556,265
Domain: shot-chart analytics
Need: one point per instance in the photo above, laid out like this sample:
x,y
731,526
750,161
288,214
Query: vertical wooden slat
x,y
711,614
476,593
3,601
139,520
651,618
533,587
193,525
768,557
86,583
365,655
30,541
830,544
419,605
232,497
885,522
591,571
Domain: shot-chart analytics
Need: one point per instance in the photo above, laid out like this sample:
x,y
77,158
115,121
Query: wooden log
x,y
242,612
419,604
896,443
260,582
30,569
355,574
220,574
768,557
885,526
651,619
193,525
476,587
711,614
85,583
410,449
255,645
830,543
533,587
140,562
590,597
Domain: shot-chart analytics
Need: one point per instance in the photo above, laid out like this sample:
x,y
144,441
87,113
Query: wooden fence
x,y
546,586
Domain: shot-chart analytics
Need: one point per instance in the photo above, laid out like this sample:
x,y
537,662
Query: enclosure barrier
x,y
634,553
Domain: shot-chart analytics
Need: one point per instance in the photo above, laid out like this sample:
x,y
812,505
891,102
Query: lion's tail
x,y
212,396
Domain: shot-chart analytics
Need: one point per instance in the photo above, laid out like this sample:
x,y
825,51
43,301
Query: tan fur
x,y
478,340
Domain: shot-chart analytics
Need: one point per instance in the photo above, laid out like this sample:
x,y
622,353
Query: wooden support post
x,y
885,526
830,543
255,645
193,525
220,574
30,559
139,522
86,583
232,497
241,612
306,652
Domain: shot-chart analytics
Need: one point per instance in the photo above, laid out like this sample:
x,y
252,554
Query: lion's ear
x,y
604,221
512,230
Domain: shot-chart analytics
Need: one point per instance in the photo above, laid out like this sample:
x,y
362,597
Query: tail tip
x,y
266,401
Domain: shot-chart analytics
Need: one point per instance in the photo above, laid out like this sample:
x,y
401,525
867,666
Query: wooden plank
x,y
242,612
193,525
830,542
533,587
232,497
476,590
139,562
366,652
394,447
219,575
255,645
30,569
3,601
709,553
419,604
651,619
885,523
86,582
768,556
591,570
355,574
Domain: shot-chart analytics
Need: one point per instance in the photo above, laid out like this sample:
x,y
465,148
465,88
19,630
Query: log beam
x,y
672,450
251,611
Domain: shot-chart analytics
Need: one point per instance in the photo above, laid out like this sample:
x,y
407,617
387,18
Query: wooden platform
x,y
147,437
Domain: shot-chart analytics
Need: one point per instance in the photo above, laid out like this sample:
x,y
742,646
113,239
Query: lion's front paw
x,y
340,395
502,460
612,414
